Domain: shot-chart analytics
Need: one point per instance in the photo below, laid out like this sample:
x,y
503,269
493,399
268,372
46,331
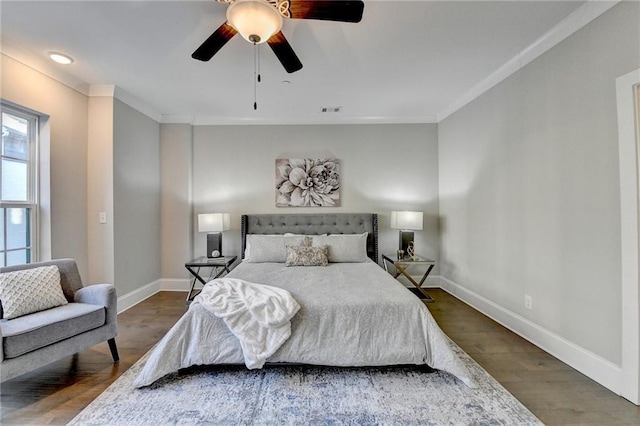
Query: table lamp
x,y
406,222
214,224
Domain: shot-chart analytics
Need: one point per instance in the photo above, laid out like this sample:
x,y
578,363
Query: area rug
x,y
307,395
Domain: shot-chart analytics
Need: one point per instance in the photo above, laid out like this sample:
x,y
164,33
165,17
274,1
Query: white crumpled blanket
x,y
258,315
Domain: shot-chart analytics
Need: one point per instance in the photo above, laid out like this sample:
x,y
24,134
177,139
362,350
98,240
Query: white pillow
x,y
269,248
30,290
344,247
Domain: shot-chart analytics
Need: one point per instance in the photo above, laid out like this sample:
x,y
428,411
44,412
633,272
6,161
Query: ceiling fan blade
x,y
210,47
284,52
327,10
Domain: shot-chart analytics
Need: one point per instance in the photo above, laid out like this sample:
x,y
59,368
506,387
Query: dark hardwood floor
x,y
556,393
58,392
553,391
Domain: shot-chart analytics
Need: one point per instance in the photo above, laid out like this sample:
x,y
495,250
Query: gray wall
x,y
67,110
100,189
529,187
383,168
136,198
176,209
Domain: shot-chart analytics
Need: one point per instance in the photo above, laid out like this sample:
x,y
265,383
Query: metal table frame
x,y
402,266
219,266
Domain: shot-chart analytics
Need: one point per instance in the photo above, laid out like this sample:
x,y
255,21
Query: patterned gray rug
x,y
303,395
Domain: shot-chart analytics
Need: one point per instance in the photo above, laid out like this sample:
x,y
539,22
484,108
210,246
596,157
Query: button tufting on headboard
x,y
313,224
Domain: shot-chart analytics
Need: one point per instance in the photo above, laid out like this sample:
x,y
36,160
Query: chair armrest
x,y
100,294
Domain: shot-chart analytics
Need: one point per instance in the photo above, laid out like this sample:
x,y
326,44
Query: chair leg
x,y
114,349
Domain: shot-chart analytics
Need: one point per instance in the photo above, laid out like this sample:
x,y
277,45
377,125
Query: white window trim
x,y
33,189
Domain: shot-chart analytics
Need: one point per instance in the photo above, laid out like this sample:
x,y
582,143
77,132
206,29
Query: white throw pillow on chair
x,y
30,290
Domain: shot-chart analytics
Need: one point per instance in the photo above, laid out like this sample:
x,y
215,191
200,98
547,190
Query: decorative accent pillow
x,y
344,247
269,248
307,256
30,290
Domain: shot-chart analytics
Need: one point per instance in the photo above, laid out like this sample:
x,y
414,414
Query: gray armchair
x,y
37,339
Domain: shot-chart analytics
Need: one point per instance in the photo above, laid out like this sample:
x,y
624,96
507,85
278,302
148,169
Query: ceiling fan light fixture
x,y
255,20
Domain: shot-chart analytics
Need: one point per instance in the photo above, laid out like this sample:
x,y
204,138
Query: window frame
x,y
33,190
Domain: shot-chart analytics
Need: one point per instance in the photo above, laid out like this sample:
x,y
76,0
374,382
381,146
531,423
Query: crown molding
x,y
113,91
177,119
102,90
572,23
240,121
137,104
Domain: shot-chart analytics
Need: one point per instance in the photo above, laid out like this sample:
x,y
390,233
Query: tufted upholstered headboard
x,y
314,224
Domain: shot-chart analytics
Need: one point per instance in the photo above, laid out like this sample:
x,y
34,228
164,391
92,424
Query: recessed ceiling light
x,y
61,58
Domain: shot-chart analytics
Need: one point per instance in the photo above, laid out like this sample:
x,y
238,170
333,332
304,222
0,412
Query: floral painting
x,y
305,182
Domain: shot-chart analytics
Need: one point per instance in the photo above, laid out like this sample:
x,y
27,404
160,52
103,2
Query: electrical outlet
x,y
528,301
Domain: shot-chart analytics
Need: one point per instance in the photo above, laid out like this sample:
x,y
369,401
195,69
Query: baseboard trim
x,y
134,297
593,366
175,284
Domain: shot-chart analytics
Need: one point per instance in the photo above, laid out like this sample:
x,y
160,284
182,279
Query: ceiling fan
x,y
260,21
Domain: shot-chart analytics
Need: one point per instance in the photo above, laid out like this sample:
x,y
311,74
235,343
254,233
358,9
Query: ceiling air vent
x,y
330,109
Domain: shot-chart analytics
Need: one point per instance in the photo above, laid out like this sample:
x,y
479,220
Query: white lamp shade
x,y
214,222
254,18
406,220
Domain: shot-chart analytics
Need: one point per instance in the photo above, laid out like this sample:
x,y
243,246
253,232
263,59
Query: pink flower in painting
x,y
307,183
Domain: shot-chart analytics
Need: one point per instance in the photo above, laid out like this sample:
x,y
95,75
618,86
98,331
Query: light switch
x,y
103,217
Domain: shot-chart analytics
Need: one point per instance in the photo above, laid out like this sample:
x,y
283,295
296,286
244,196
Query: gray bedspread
x,y
352,314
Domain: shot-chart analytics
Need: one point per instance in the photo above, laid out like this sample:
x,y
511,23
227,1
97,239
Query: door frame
x,y
627,91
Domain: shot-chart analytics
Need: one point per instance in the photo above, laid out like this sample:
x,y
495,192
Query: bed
x,y
351,312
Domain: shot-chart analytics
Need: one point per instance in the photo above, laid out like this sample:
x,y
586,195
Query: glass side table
x,y
402,265
219,266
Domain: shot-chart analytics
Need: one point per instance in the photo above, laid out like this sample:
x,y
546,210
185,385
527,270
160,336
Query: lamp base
x,y
214,244
406,237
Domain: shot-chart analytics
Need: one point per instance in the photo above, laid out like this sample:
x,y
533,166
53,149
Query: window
x,y
18,186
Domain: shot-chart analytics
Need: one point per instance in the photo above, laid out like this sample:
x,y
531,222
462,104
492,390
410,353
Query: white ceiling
x,y
407,61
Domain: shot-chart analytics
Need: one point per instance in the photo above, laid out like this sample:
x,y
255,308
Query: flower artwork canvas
x,y
305,182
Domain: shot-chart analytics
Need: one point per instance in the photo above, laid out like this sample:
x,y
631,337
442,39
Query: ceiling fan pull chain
x,y
255,79
258,46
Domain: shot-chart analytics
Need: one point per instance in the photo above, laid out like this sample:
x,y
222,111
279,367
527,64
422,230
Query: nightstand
x,y
402,265
219,266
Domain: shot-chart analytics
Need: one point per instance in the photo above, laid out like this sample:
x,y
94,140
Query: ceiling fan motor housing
x,y
255,20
